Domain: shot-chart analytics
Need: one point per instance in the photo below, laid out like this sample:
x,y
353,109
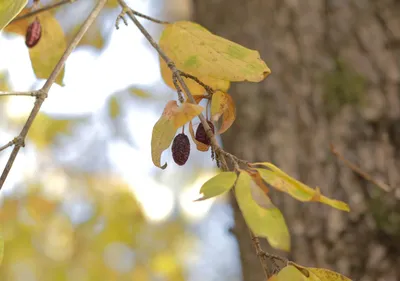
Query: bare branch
x,y
31,94
41,10
42,93
261,254
149,18
358,170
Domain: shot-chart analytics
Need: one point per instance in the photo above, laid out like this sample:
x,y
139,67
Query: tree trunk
x,y
335,79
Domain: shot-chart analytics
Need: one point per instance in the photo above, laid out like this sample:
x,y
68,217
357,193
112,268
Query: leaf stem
x,y
42,93
41,10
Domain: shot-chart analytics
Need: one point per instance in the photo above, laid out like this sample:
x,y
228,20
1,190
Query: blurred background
x,y
84,202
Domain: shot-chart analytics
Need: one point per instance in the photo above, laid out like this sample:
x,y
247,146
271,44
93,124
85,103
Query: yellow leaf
x,y
163,134
260,197
112,4
20,27
1,245
197,51
114,107
288,273
183,114
9,9
258,180
223,104
46,54
173,117
219,104
92,38
327,275
195,88
283,182
44,129
217,185
319,274
4,82
139,93
199,145
264,222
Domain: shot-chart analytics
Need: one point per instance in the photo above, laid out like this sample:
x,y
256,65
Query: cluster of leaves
x,y
213,63
252,188
213,60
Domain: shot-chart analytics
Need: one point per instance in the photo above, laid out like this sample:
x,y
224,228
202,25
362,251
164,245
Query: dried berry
x,y
201,135
181,149
33,33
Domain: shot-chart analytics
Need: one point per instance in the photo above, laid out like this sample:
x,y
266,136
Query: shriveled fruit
x,y
33,33
201,135
180,149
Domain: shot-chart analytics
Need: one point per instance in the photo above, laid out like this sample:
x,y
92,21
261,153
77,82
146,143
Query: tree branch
x,y
41,10
42,93
30,93
218,150
358,170
176,73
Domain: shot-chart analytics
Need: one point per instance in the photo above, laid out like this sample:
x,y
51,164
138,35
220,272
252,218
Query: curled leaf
x,y
197,51
223,105
262,217
278,179
217,185
163,134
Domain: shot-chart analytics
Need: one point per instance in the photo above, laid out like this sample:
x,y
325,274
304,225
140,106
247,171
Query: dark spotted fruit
x,y
201,135
33,33
181,149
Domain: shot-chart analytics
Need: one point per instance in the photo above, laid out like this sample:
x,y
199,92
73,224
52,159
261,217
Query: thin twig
x,y
208,89
176,73
120,17
41,10
178,88
149,18
30,93
42,93
358,170
11,143
261,254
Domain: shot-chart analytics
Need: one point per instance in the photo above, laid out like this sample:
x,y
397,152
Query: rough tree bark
x,y
335,79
